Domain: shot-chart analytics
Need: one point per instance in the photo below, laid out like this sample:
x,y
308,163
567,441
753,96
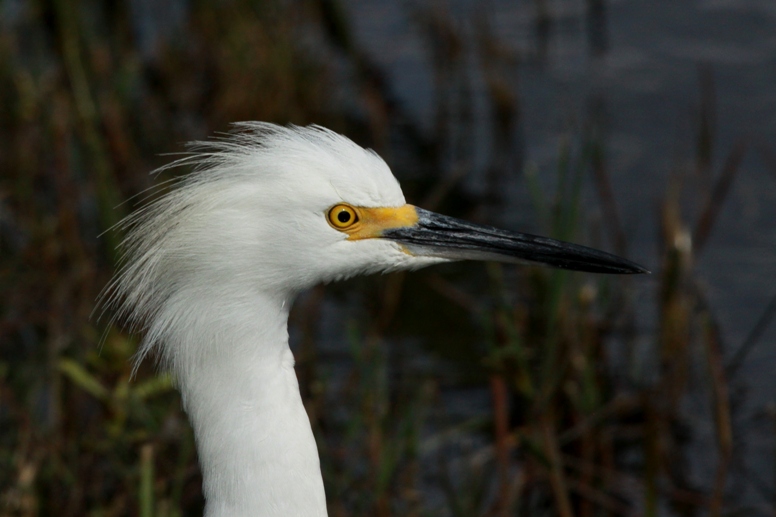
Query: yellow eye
x,y
342,216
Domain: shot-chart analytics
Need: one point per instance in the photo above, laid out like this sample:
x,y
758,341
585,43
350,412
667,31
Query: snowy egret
x,y
212,269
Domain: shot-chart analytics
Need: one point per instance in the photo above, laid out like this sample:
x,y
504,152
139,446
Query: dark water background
x,y
638,70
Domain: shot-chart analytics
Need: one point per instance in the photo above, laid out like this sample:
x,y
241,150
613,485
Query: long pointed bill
x,y
437,235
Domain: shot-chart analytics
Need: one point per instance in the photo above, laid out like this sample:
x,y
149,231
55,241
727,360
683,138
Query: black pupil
x,y
343,216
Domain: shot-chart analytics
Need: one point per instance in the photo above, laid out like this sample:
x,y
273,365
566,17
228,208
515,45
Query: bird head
x,y
278,209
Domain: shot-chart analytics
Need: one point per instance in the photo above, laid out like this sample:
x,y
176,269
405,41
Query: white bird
x,y
213,267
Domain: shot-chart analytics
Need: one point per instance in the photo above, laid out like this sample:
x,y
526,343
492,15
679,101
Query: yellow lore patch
x,y
369,223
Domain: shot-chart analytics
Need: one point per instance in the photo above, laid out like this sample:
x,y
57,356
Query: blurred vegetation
x,y
586,413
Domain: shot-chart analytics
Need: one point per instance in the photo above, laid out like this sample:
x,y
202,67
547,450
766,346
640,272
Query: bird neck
x,y
255,444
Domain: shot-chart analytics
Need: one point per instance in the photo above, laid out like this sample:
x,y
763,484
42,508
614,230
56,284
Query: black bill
x,y
441,236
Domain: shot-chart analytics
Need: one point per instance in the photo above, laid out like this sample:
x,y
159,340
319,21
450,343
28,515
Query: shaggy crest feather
x,y
150,292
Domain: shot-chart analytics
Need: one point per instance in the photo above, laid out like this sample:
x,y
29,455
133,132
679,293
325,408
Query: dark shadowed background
x,y
646,128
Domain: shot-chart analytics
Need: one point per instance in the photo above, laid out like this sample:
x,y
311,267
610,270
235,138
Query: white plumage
x,y
213,267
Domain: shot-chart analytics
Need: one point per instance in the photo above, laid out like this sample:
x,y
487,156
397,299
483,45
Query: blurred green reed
x,y
573,427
